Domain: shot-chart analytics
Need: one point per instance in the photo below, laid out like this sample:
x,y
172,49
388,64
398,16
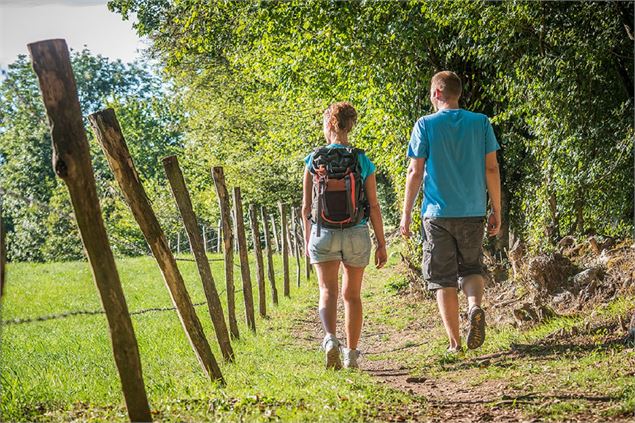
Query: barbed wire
x,y
20,321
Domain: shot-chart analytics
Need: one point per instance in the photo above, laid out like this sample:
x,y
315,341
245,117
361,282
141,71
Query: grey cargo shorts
x,y
452,250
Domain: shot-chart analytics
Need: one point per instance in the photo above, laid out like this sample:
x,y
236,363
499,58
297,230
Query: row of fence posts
x,y
212,238
72,163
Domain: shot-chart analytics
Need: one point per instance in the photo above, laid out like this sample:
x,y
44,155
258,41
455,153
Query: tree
x,y
37,208
540,69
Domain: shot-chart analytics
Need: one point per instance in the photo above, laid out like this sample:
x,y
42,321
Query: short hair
x,y
448,83
342,116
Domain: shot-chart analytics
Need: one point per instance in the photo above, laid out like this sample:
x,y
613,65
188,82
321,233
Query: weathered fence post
x,y
244,260
270,269
204,239
296,247
307,260
284,231
276,239
228,245
260,270
72,163
113,144
236,237
3,253
182,197
219,234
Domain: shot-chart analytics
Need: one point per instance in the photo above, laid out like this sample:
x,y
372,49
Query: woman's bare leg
x,y
351,290
328,275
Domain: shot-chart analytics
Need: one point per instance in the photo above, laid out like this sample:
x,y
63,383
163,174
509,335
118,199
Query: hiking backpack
x,y
339,198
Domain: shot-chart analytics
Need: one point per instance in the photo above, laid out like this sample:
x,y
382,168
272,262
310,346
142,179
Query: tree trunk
x,y
109,135
183,201
72,163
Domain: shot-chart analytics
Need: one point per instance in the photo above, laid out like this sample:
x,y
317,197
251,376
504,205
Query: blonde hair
x,y
448,83
342,116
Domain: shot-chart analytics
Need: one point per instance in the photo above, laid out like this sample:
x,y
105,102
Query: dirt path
x,y
458,390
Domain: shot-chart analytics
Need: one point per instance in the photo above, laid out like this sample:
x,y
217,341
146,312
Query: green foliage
x,y
36,204
556,77
248,82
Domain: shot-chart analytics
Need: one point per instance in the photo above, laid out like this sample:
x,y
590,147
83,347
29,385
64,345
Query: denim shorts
x,y
452,250
352,246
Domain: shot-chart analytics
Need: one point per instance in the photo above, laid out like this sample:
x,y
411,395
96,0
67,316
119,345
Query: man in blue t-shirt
x,y
453,151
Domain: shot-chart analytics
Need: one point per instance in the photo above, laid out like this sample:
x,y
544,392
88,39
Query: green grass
x,y
593,365
63,369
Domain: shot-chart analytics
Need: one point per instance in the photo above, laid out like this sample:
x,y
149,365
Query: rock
x,y
587,277
550,272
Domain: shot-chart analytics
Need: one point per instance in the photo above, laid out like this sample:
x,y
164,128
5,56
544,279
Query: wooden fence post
x,y
276,239
284,231
307,259
219,234
235,237
296,248
270,269
113,144
260,270
204,231
243,253
72,163
182,197
228,245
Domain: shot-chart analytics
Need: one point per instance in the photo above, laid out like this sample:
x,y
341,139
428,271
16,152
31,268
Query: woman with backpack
x,y
339,196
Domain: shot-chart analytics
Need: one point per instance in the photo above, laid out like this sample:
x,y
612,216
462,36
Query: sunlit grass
x,y
63,369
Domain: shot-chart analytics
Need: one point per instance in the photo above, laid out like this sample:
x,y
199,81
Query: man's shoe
x,y
350,358
476,330
331,347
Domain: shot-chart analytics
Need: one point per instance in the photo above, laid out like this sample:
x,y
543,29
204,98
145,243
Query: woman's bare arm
x,y
375,218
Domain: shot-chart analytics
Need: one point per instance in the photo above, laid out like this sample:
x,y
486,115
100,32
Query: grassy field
x,y
62,369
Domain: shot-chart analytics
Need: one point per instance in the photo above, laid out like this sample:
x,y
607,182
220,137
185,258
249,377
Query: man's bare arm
x,y
493,180
414,178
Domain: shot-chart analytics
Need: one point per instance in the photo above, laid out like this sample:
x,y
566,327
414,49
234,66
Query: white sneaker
x,y
350,358
331,347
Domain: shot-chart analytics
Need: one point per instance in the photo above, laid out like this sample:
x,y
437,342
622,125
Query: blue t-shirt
x,y
454,143
367,167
